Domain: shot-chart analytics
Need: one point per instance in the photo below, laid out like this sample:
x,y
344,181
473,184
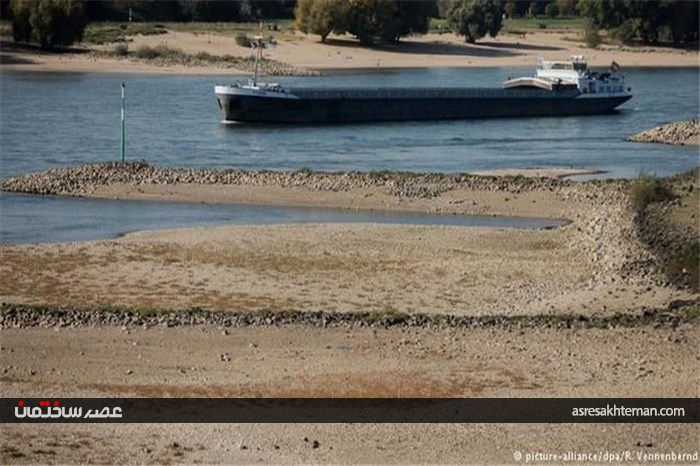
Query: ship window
x,y
218,101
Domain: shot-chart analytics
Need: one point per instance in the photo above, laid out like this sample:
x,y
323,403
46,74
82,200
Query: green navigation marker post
x,y
123,125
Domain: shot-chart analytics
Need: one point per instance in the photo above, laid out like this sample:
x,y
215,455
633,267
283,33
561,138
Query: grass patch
x,y
522,25
146,52
648,189
685,265
692,312
243,40
148,312
121,50
387,316
229,28
105,32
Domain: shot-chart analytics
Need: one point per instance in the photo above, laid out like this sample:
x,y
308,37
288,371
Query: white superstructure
x,y
590,83
254,88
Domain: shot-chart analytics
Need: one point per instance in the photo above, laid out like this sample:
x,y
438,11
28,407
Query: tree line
x,y
675,21
61,22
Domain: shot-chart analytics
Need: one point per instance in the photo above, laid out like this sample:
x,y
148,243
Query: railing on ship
x,y
413,93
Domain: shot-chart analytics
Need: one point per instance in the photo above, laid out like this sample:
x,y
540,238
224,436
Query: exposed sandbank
x,y
595,265
343,53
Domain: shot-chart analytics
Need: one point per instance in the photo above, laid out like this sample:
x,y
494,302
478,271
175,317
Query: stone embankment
x,y
82,180
25,316
678,133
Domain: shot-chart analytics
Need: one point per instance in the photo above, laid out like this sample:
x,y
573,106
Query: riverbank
x,y
596,265
361,310
685,133
342,53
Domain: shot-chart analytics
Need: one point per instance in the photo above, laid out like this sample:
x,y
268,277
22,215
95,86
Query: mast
x,y
258,41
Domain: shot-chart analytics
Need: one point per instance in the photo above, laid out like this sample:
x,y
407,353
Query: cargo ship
x,y
559,88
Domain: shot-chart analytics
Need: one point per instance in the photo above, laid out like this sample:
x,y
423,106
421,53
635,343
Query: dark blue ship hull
x,y
354,106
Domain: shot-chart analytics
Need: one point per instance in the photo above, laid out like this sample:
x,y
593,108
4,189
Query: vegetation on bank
x,y
54,23
164,55
665,212
648,189
50,23
107,33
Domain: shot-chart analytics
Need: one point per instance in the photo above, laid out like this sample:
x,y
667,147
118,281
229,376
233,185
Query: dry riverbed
x,y
577,311
347,361
594,265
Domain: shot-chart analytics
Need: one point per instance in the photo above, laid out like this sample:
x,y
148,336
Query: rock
x,y
679,132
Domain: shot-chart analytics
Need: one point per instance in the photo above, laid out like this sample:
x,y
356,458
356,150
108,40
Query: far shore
x,y
342,54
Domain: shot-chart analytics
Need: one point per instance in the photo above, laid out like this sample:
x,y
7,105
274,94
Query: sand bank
x,y
594,265
343,53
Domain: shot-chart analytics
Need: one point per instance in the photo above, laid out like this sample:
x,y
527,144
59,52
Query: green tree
x,y
213,10
412,17
155,10
49,23
647,20
510,9
683,19
551,10
566,7
321,17
591,34
473,19
369,20
533,10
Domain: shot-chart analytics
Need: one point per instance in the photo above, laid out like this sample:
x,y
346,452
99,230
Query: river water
x,y
59,120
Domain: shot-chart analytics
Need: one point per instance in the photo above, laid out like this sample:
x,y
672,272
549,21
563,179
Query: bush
x,y
121,50
551,10
648,189
625,33
160,51
685,265
243,40
592,35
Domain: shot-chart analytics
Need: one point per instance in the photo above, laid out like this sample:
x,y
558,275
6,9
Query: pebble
x,y
82,180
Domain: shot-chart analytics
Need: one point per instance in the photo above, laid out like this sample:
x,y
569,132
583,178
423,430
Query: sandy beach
x,y
342,53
